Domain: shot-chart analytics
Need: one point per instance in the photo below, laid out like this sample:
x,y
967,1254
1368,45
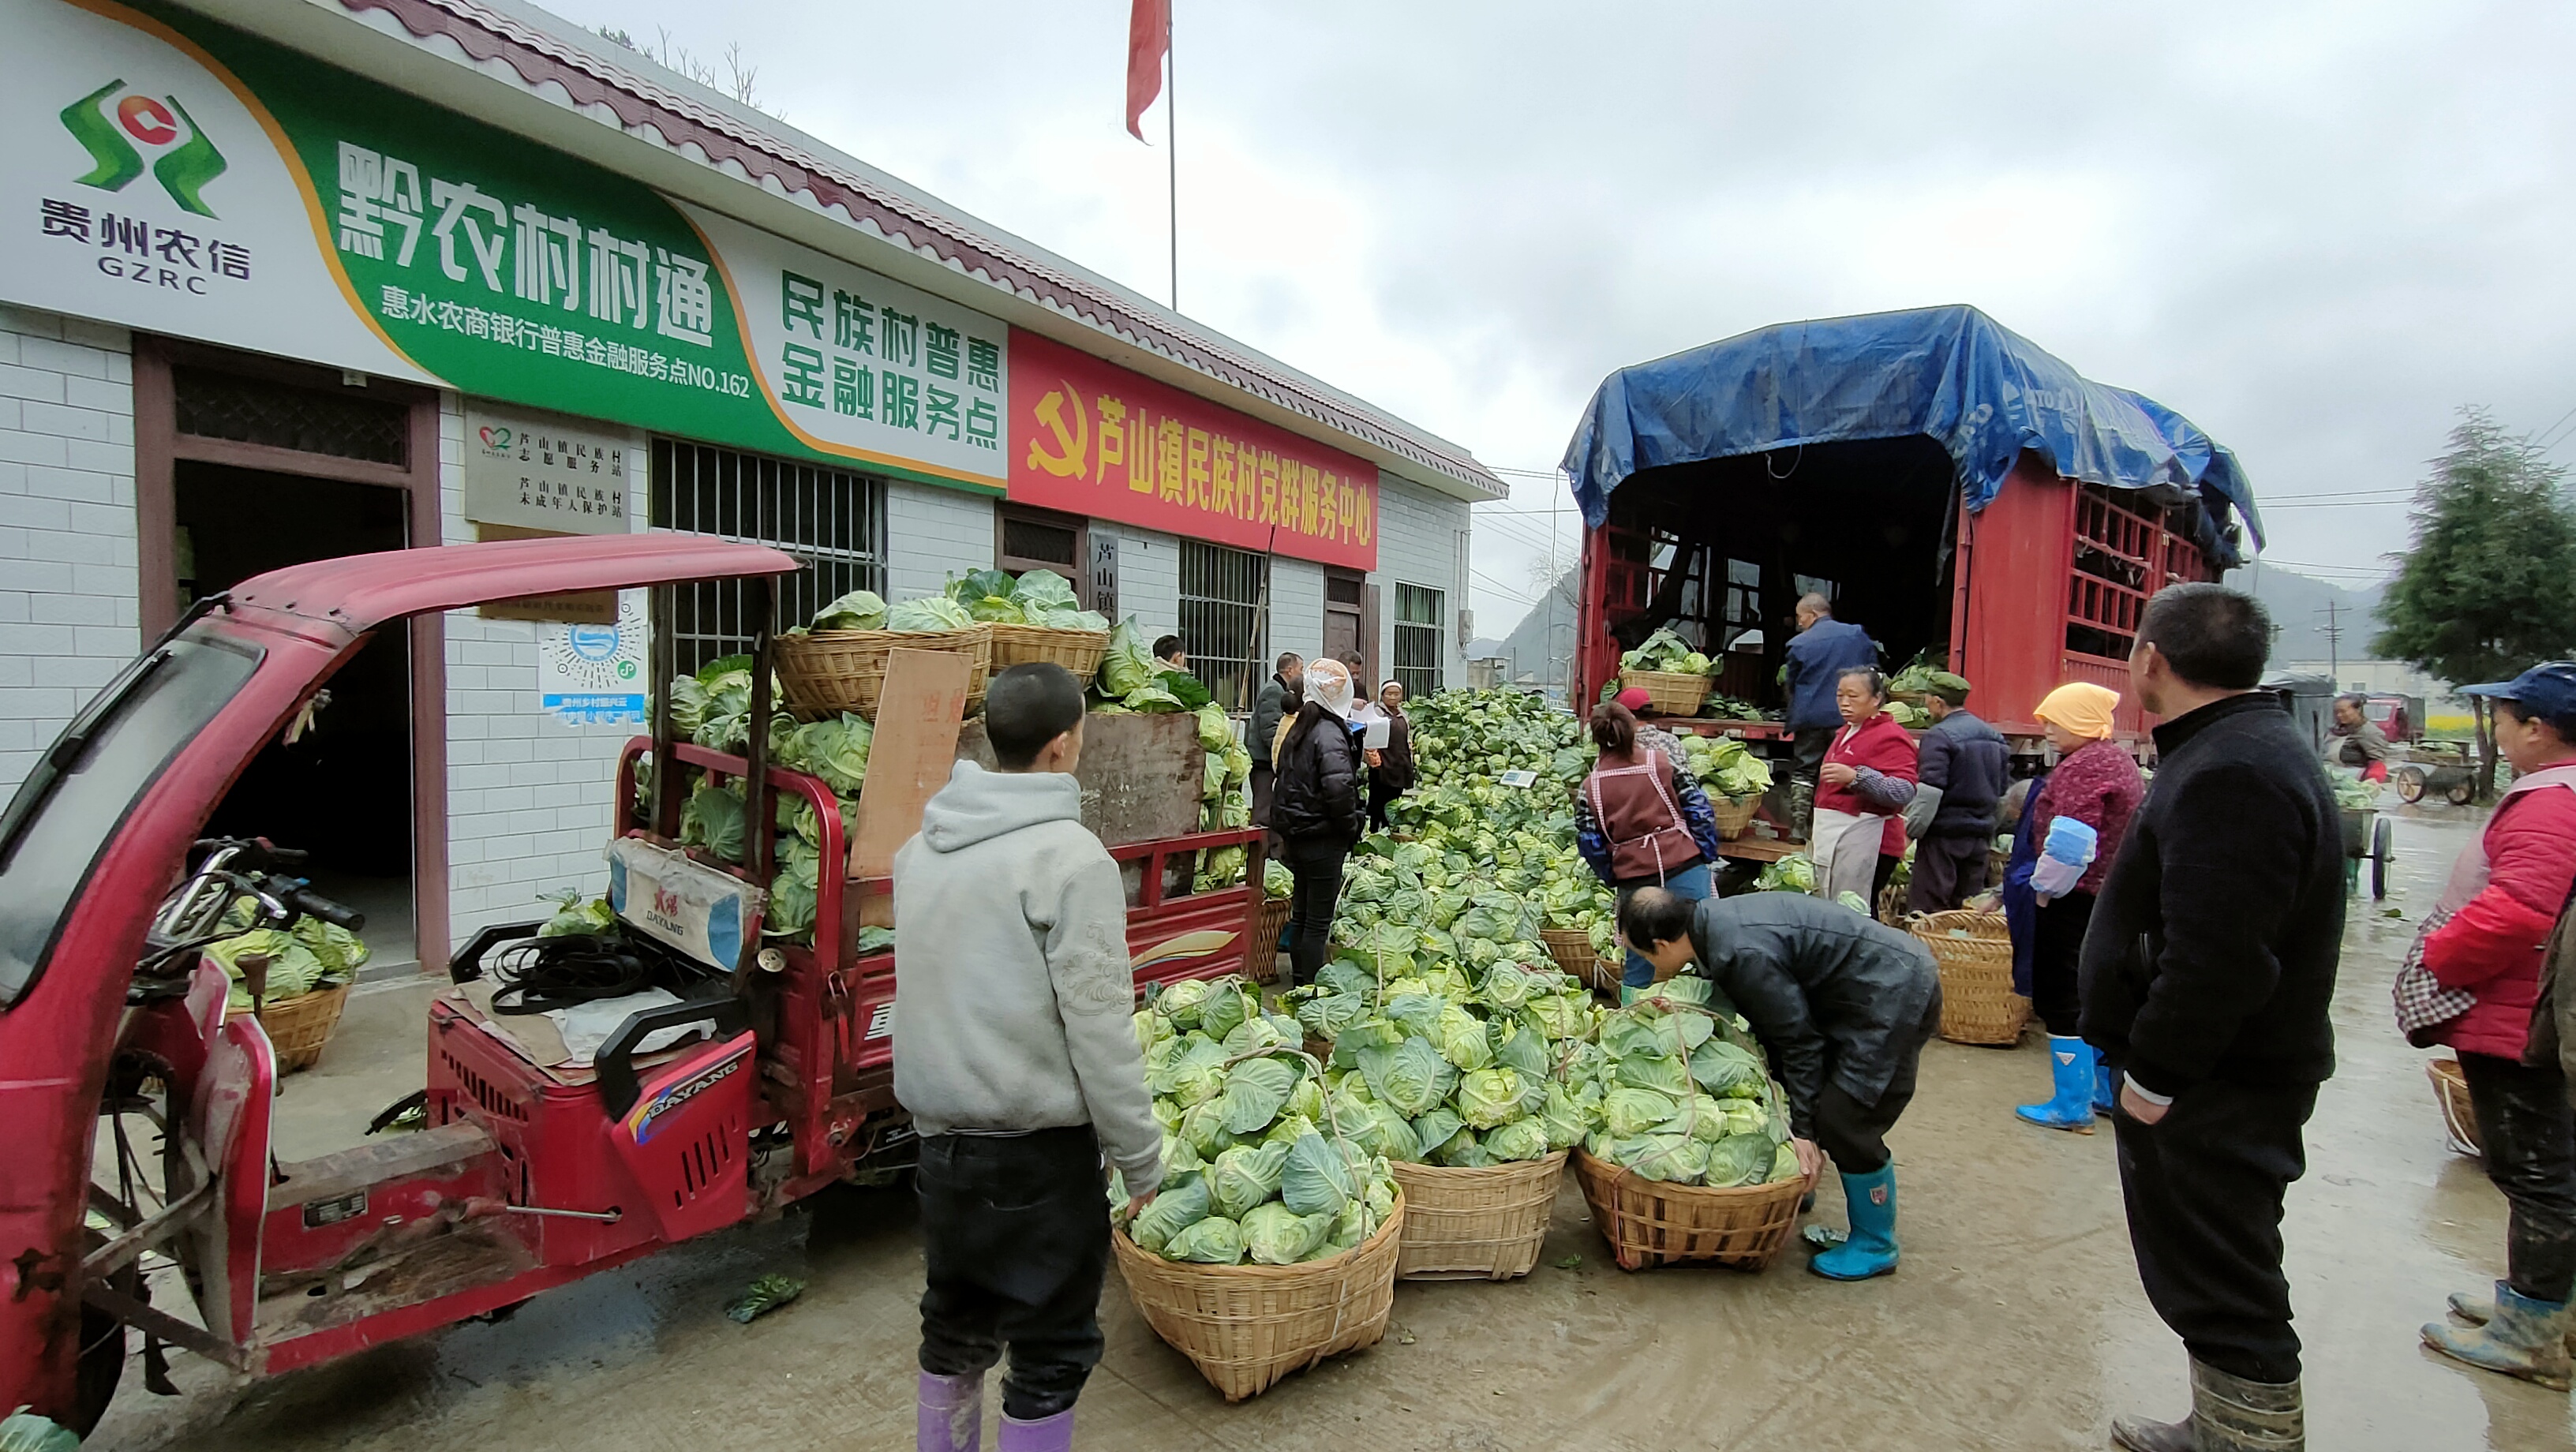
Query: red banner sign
x,y
1094,439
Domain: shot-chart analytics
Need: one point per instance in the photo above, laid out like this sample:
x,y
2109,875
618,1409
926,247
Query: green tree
x,y
2489,586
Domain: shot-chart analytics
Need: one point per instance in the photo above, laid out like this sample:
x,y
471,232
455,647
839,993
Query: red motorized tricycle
x,y
135,1120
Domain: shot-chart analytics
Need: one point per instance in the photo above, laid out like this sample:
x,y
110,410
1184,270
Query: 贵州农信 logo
x,y
119,127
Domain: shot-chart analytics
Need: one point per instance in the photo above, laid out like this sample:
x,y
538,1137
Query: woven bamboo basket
x,y
1261,955
1978,1005
2459,1117
1572,950
1649,1223
1475,1225
1609,975
1668,693
298,1027
1247,1327
1733,814
1078,651
831,671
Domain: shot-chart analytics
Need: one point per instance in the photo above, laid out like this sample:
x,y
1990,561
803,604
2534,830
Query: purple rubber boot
x,y
1046,1434
951,1414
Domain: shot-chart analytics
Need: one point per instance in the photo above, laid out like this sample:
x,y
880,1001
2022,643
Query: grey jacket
x,y
1267,708
1830,993
1013,993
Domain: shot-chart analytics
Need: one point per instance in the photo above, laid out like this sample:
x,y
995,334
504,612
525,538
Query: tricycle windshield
x,y
72,804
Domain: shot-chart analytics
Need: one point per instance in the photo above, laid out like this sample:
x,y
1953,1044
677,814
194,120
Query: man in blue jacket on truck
x,y
1819,653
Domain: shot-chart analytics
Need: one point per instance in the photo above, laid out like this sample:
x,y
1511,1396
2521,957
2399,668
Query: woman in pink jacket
x,y
2503,902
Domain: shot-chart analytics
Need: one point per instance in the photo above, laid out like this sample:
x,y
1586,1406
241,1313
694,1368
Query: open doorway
x,y
246,464
342,789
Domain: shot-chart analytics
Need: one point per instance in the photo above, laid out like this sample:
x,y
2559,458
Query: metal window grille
x,y
1041,543
346,425
1225,623
1417,640
831,520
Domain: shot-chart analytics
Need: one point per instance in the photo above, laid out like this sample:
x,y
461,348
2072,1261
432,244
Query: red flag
x,y
1149,38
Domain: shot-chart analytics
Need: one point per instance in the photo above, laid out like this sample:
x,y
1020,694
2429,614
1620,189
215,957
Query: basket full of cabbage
x,y
1453,1076
1691,1159
837,663
1674,675
307,971
1272,1242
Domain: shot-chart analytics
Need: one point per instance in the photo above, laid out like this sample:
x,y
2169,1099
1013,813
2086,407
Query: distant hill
x,y
2304,608
1541,646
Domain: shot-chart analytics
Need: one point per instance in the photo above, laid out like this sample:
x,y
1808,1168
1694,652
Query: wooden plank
x,y
918,716
1140,775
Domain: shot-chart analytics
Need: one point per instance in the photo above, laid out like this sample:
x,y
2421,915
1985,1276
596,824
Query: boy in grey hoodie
x,y
1016,1053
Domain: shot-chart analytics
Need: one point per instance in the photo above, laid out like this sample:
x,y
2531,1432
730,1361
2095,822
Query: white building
x,y
281,282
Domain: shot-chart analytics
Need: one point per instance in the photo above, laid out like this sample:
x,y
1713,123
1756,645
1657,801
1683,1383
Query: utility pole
x,y
2334,643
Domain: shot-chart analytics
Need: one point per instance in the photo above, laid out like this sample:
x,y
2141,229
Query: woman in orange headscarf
x,y
2097,783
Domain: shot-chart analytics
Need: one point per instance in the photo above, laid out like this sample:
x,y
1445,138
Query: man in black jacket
x,y
1266,711
1844,1006
2207,974
1967,762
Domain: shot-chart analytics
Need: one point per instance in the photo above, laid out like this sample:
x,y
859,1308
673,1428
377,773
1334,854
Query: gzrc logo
x,y
111,123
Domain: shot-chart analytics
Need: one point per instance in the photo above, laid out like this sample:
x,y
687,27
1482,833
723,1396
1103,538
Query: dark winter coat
x,y
1394,772
1830,993
2215,939
1968,760
1317,797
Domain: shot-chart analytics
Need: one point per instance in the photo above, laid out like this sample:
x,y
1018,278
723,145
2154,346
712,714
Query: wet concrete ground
x,y
2016,1322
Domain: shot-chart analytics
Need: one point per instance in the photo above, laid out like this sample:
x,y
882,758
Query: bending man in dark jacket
x,y
1843,1004
2206,977
1967,761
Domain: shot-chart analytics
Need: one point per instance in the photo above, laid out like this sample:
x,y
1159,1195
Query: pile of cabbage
x,y
1253,1166
1793,873
306,958
713,709
1471,831
1447,1067
2352,794
1724,767
1037,597
1921,675
1680,1092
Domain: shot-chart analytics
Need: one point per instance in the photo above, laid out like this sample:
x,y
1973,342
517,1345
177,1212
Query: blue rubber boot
x,y
2071,1060
949,1413
1870,1250
2522,1337
2106,1087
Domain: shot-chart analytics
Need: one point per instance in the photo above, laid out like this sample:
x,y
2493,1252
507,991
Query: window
x,y
1417,640
1034,540
1225,620
346,424
831,520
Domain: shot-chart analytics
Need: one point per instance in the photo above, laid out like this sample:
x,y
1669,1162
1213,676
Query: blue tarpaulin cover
x,y
1950,373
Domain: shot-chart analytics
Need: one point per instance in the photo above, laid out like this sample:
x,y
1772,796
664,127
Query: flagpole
x,y
1172,145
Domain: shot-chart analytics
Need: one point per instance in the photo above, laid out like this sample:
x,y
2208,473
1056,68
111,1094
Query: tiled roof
x,y
773,157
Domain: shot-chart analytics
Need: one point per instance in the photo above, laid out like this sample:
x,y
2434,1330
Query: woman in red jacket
x,y
1868,776
2505,897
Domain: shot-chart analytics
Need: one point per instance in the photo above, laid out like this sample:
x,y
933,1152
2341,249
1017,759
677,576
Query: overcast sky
x,y
2315,229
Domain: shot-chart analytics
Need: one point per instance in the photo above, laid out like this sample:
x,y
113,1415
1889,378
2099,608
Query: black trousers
x,y
1379,795
1317,866
1264,781
1015,1231
1947,872
2204,1188
2529,1135
1880,876
1854,1135
2057,944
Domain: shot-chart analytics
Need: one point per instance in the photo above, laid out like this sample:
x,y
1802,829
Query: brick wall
x,y
528,797
933,533
67,563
